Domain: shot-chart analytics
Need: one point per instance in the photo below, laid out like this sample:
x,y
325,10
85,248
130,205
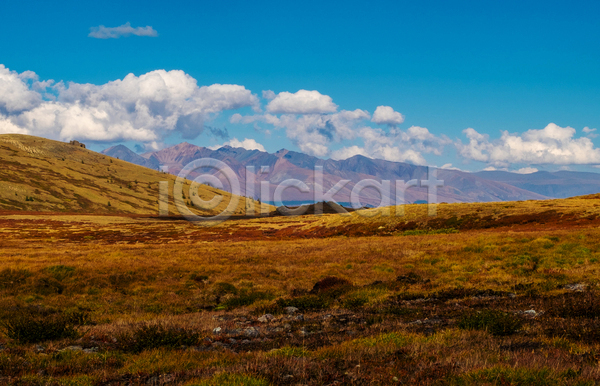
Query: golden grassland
x,y
39,174
481,294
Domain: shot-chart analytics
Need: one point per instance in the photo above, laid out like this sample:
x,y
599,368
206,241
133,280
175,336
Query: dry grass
x,y
398,321
42,175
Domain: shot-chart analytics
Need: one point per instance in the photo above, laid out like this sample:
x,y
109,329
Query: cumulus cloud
x,y
143,108
247,143
402,146
348,152
102,32
301,102
7,127
551,145
15,93
395,145
313,133
385,115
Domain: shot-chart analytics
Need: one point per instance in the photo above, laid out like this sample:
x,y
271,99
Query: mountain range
x,y
270,169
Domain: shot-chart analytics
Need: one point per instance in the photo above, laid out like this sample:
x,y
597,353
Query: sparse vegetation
x,y
33,326
495,322
149,337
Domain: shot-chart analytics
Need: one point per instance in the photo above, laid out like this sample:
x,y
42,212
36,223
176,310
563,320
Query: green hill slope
x,y
38,174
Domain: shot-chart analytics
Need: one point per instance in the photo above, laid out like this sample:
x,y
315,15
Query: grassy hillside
x,y
38,174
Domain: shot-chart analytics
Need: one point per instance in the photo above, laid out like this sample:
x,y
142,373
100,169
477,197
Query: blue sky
x,y
446,66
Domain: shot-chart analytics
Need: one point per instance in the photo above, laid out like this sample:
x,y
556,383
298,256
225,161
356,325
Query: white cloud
x,y
143,108
348,152
590,132
489,169
7,127
526,170
385,115
15,93
301,102
102,32
450,167
315,133
390,146
402,146
551,145
247,143
268,94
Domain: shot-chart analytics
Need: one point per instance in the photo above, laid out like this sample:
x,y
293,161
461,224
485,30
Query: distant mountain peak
x,y
284,164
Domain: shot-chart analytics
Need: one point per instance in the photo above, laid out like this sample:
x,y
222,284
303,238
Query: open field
x,y
496,294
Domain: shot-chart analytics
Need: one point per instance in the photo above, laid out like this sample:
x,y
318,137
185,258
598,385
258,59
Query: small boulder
x,y
72,348
290,310
251,332
266,318
578,287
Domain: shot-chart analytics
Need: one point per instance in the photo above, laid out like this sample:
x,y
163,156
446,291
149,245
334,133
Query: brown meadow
x,y
498,294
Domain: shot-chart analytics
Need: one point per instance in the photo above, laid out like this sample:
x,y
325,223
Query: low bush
x,y
154,336
47,285
420,232
331,287
223,288
28,326
495,322
354,302
585,305
60,272
329,283
305,303
10,278
246,298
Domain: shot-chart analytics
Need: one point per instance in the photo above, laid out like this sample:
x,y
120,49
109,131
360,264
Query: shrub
x,y
225,379
246,298
495,322
410,278
331,287
155,336
586,305
28,326
47,285
506,376
354,302
197,277
9,278
420,232
224,289
60,272
329,283
305,303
